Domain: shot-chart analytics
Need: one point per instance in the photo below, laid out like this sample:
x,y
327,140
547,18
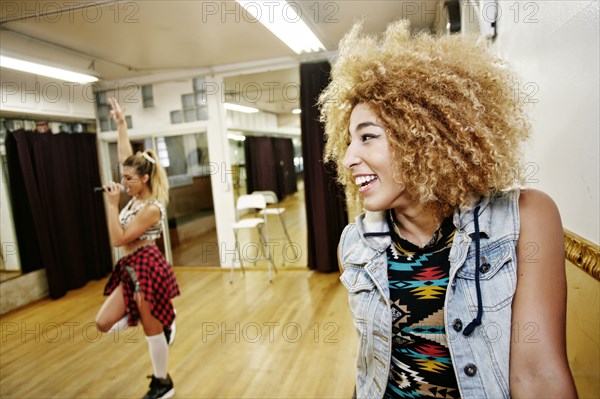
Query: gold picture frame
x,y
582,253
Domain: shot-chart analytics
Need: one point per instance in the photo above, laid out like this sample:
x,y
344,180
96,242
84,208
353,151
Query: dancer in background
x,y
142,284
452,265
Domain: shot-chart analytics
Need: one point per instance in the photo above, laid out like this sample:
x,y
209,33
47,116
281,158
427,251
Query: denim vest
x,y
481,360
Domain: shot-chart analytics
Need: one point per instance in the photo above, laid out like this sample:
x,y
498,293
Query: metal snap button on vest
x,y
485,267
457,325
470,369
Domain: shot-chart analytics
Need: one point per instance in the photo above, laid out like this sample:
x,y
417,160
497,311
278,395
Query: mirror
x,y
276,97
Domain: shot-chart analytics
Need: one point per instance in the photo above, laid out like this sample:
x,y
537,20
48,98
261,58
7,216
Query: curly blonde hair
x,y
447,105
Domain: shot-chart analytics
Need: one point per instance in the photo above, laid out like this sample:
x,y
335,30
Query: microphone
x,y
101,189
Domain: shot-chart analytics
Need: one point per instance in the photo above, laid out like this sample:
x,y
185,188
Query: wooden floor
x,y
290,339
203,250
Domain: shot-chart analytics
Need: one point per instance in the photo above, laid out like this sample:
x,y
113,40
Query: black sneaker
x,y
160,388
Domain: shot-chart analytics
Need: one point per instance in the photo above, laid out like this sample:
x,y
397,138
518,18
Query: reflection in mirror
x,y
276,94
9,260
192,227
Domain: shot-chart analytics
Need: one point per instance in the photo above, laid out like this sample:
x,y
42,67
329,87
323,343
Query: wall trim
x,y
582,253
23,290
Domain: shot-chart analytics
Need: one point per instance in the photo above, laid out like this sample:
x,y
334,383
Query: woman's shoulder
x,y
531,199
538,208
156,204
147,207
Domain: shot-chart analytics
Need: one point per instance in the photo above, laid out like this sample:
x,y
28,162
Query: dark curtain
x,y
284,151
29,248
61,222
270,165
326,214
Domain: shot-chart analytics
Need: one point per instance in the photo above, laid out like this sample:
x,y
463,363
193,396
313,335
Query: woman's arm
x,y
145,218
124,149
538,359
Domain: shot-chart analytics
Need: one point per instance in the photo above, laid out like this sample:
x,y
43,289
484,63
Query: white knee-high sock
x,y
159,353
120,325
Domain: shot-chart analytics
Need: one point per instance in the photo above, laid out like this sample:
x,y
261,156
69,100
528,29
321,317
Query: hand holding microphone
x,y
113,192
107,187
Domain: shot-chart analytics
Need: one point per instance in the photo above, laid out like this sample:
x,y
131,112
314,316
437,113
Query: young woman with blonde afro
x,y
455,275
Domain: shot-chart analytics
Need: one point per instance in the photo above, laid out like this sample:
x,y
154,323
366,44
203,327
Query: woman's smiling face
x,y
369,159
132,181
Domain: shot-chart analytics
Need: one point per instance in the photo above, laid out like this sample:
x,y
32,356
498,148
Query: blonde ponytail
x,y
158,180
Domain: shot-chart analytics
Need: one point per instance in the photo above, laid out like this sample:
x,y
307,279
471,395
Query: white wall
x,y
554,47
167,98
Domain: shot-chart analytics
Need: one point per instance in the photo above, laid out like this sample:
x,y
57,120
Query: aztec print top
x,y
421,366
129,211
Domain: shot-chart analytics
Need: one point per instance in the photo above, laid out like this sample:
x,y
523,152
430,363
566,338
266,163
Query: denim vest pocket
x,y
497,277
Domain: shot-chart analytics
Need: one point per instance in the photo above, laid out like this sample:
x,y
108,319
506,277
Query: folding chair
x,y
271,199
252,202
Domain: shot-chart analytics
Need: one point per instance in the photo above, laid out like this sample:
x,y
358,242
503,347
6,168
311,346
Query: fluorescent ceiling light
x,y
296,111
240,108
44,70
284,22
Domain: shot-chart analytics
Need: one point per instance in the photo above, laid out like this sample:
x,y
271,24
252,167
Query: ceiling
x,y
132,39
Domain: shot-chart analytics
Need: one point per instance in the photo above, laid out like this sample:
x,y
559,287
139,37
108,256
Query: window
x,y
147,96
193,105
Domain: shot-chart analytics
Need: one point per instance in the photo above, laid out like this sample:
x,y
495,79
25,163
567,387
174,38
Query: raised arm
x,y
124,149
538,359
